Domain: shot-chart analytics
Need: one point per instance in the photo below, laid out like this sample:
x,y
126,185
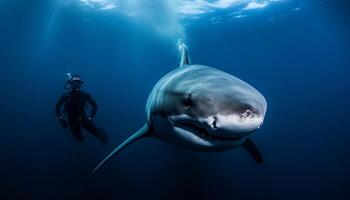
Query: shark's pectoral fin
x,y
249,146
143,132
185,59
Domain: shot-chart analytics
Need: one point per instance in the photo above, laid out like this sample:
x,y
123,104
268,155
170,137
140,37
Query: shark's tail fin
x,y
143,132
185,59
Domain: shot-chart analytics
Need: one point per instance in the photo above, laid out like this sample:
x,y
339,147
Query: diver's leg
x,y
90,127
74,126
97,132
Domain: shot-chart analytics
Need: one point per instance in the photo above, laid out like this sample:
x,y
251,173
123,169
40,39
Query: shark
x,y
201,108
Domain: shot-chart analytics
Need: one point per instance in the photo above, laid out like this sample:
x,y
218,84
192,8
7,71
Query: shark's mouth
x,y
202,132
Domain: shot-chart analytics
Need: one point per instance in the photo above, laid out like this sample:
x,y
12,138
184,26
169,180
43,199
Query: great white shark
x,y
201,108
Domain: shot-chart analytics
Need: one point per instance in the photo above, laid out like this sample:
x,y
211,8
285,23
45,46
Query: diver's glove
x,y
63,122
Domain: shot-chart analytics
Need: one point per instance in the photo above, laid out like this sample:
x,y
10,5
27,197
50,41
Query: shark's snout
x,y
238,123
248,116
244,117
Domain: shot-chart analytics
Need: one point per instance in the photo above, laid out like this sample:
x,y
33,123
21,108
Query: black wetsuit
x,y
75,104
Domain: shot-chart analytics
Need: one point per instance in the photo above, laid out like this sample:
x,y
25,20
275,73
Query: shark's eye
x,y
188,100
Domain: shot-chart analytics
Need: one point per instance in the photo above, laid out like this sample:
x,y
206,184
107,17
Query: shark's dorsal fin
x,y
143,132
185,59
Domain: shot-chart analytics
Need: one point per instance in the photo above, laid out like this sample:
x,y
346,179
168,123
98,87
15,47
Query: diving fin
x,y
249,146
143,132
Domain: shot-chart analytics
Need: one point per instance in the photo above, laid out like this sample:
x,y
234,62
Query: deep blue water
x,y
298,60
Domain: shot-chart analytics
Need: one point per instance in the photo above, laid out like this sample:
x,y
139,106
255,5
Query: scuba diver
x,y
74,103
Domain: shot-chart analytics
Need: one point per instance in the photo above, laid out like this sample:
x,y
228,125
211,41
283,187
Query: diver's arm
x,y
92,102
59,105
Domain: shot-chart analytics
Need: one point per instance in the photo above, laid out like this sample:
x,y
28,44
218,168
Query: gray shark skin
x,y
201,108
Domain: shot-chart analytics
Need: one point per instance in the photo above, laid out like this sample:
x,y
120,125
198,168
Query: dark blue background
x,y
300,62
